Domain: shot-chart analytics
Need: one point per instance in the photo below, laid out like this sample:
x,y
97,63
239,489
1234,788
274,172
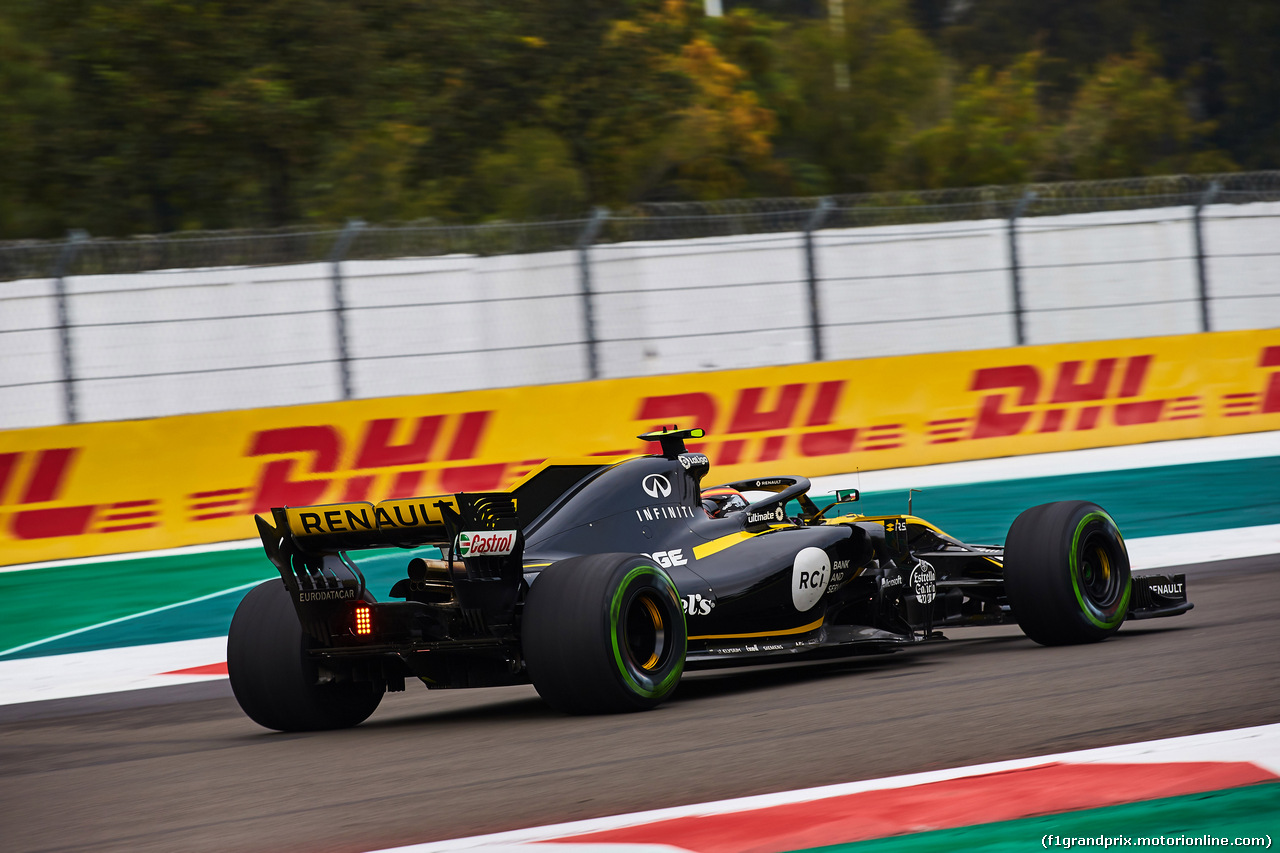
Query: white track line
x,y
1184,549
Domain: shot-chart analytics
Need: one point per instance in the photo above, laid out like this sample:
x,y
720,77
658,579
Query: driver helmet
x,y
722,500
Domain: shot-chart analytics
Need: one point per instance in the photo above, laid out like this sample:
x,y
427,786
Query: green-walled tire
x,y
604,633
1066,573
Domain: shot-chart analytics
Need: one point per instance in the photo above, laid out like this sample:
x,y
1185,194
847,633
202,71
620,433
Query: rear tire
x,y
604,633
1066,573
275,681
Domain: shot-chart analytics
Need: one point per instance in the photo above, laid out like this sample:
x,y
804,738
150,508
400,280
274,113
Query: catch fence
x,y
103,329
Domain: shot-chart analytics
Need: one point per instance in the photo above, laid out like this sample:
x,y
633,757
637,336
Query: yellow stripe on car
x,y
812,626
715,546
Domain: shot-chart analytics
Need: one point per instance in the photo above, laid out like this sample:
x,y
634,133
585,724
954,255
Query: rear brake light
x,y
364,620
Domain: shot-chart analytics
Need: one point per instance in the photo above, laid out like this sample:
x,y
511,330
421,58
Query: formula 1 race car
x,y
601,580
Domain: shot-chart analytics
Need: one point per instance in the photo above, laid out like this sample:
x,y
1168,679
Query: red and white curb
x,y
112,670
918,802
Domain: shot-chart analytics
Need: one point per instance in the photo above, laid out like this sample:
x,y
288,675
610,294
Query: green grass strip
x,y
42,603
1250,812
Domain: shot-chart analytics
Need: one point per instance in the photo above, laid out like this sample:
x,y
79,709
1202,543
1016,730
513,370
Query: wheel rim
x,y
646,624
644,633
1101,586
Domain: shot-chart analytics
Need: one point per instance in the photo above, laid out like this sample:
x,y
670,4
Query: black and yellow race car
x,y
602,580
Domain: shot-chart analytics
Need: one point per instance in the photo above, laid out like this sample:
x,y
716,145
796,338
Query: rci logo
x,y
809,577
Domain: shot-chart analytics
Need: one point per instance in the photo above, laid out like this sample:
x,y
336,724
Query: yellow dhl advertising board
x,y
103,488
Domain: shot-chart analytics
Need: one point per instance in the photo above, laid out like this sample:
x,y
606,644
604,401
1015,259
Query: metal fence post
x,y
60,267
340,249
1015,275
1206,198
815,221
588,236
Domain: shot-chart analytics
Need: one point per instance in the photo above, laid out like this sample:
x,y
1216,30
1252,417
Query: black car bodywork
x,y
780,579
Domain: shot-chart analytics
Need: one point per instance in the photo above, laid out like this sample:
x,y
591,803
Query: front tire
x,y
1066,573
604,633
273,678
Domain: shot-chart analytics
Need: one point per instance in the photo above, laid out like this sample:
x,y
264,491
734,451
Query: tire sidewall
x,y
575,634
1045,577
274,679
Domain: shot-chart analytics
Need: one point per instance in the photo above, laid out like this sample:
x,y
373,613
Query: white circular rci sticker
x,y
809,576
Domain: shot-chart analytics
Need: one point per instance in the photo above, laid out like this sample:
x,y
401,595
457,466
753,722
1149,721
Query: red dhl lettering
x,y
41,477
313,468
1075,397
1271,399
762,424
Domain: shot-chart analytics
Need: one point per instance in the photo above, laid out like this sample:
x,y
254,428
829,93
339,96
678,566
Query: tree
x,y
615,103
1127,120
844,136
531,176
197,115
1245,77
33,106
128,116
996,133
721,136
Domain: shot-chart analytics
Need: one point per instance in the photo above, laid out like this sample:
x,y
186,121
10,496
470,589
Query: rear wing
x,y
307,544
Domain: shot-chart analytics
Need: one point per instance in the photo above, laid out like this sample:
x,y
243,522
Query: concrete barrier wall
x,y
187,341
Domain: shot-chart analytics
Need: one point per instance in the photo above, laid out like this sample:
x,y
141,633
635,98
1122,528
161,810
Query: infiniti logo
x,y
656,486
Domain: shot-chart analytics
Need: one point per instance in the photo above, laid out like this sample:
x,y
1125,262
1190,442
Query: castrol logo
x,y
486,543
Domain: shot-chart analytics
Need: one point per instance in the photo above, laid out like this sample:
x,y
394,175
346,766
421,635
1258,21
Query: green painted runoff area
x,y
1250,812
43,603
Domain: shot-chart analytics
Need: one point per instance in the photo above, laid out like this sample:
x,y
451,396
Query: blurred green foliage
x,y
144,116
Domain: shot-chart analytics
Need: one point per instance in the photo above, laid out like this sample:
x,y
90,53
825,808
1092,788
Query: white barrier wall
x,y
181,341
887,291
1244,278
1133,274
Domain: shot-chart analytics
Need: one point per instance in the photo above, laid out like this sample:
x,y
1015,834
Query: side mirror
x,y
842,496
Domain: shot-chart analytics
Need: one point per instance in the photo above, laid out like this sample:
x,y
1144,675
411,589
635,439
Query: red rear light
x,y
364,620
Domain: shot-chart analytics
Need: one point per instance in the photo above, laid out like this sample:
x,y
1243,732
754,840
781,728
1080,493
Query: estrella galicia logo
x,y
924,581
656,486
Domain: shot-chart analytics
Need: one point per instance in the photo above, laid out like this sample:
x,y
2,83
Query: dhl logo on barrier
x,y
319,460
32,485
127,486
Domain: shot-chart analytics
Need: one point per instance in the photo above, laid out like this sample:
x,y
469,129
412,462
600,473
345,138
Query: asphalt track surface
x,y
182,769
